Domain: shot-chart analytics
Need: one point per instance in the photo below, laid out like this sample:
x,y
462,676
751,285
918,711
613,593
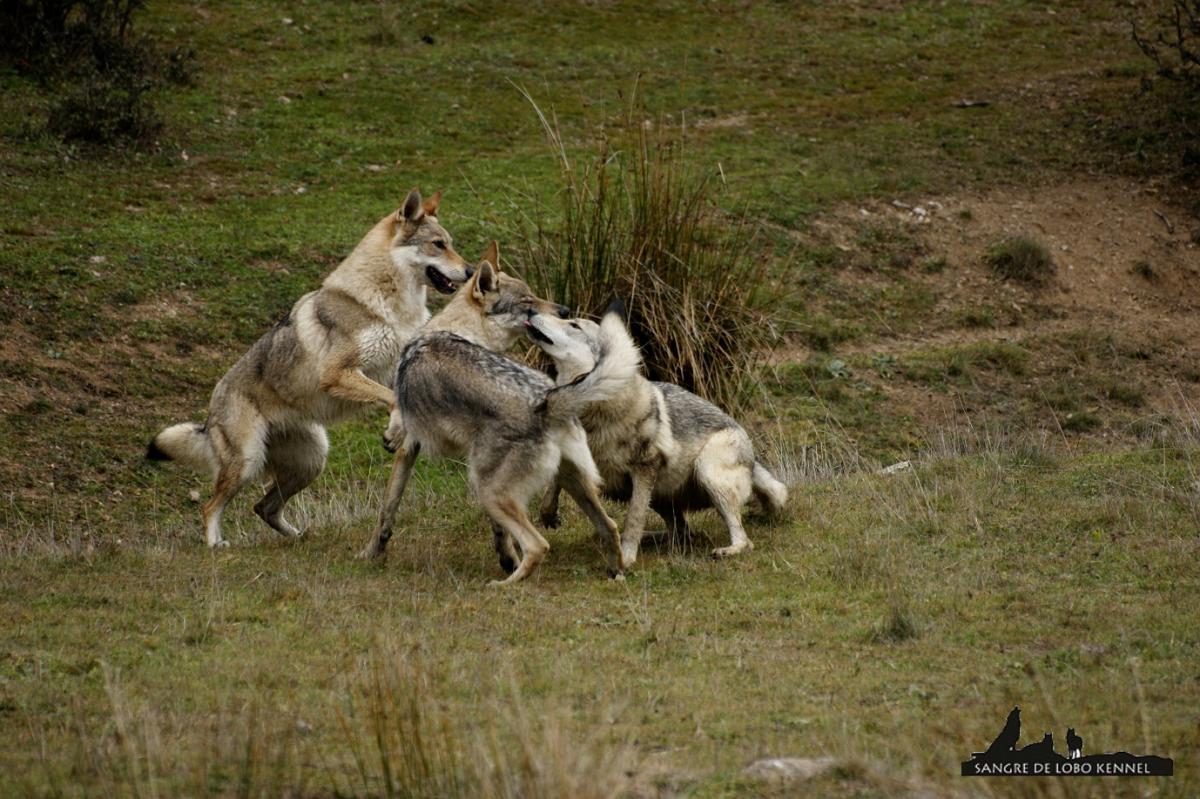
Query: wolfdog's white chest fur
x,y
379,348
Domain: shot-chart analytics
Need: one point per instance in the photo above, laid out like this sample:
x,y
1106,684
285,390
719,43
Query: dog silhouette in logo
x,y
1074,744
1042,747
1008,737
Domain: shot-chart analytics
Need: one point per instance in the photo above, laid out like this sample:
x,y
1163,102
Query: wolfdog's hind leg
x,y
295,457
402,468
511,516
548,513
728,484
505,548
678,532
238,446
229,481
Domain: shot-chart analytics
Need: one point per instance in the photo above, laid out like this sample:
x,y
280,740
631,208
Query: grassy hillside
x,y
1041,551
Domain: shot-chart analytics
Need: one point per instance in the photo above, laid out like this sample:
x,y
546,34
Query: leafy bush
x,y
1023,259
100,74
639,223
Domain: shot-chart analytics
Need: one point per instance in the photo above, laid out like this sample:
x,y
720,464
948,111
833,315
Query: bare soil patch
x,y
1126,286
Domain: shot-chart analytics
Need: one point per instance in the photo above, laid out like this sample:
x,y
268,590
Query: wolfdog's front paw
x,y
733,549
393,436
220,544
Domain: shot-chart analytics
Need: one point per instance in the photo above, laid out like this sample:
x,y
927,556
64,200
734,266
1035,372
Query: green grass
x,y
889,622
947,593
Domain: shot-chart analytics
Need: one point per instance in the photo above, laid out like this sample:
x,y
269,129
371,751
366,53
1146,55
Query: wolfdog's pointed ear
x,y
430,205
613,321
614,334
411,212
492,255
617,306
485,279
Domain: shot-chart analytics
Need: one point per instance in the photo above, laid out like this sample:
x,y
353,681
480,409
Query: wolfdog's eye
x,y
441,245
575,325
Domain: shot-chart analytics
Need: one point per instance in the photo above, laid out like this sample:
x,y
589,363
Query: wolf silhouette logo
x,y
1004,758
1074,744
1008,737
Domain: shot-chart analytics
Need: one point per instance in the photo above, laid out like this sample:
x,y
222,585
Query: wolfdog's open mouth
x,y
537,335
440,282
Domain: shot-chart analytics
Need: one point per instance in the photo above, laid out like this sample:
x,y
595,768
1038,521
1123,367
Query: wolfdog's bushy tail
x,y
770,492
188,443
617,364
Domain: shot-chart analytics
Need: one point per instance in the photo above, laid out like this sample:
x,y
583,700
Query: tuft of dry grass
x,y
641,223
1021,258
398,735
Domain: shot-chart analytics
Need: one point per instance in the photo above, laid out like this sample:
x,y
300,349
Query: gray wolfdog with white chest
x,y
332,356
457,395
657,445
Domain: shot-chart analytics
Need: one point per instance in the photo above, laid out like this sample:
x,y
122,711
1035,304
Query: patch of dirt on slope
x,y
1119,318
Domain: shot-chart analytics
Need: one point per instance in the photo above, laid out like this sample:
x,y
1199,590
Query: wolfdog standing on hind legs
x,y
457,395
332,356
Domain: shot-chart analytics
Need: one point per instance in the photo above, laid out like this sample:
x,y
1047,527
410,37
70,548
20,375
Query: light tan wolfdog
x,y
458,396
658,446
335,354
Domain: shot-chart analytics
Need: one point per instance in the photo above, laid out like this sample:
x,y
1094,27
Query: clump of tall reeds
x,y
640,223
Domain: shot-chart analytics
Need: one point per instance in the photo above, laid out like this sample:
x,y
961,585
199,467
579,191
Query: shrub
x,y
101,74
1023,259
1169,35
102,108
639,223
1168,32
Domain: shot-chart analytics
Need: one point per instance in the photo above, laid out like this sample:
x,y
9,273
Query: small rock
x,y
896,467
284,99
194,495
375,167
286,20
98,259
789,768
